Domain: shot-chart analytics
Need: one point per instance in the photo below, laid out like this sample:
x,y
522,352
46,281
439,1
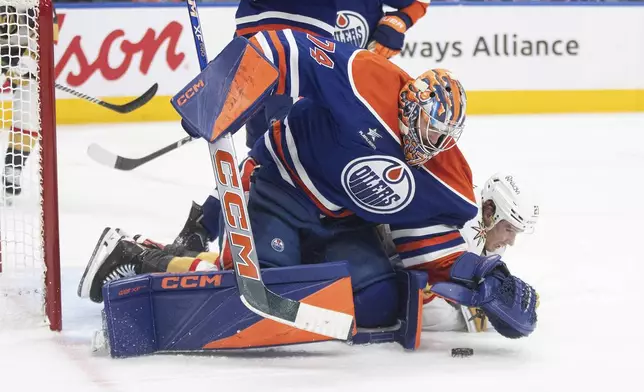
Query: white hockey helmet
x,y
512,202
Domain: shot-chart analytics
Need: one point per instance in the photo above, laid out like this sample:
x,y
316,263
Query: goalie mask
x,y
431,115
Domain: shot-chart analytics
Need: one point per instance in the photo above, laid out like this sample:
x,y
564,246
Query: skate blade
x,y
100,343
105,245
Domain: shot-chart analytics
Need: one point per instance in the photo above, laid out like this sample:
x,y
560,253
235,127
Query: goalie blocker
x,y
202,311
227,93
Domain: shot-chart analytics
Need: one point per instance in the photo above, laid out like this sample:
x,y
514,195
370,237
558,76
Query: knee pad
x,y
376,305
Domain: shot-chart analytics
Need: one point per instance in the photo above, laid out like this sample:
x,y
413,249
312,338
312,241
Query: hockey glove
x,y
486,283
389,36
189,129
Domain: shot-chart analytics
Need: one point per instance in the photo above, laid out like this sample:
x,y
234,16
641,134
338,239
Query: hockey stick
x,y
239,236
109,159
125,108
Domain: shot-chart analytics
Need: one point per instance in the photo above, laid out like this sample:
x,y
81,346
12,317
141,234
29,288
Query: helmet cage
x,y
448,134
427,121
417,137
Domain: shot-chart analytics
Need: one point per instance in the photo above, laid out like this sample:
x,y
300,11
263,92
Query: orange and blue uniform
x,y
338,153
315,17
358,21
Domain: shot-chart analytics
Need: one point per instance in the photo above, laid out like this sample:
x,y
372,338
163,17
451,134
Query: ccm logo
x,y
185,97
190,282
130,290
234,209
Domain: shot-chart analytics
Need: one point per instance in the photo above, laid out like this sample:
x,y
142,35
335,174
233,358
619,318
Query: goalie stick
x,y
109,159
124,108
239,236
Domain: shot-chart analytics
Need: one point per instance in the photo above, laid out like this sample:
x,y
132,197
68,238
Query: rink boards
x,y
588,59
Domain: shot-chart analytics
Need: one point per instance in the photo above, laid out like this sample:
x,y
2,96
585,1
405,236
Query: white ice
x,y
584,259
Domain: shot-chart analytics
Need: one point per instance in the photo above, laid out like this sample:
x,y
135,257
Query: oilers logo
x,y
351,28
277,244
379,184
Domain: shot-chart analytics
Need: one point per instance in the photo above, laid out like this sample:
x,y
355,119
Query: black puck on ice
x,y
462,352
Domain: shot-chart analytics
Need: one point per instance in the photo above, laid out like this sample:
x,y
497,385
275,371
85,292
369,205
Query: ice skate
x,y
193,237
115,256
10,182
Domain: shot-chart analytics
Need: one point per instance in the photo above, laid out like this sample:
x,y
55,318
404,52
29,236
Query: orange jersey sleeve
x,y
416,10
377,82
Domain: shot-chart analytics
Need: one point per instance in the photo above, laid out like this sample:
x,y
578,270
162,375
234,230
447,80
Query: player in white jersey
x,y
505,210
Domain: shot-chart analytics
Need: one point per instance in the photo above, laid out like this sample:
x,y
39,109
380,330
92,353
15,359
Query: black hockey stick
x,y
107,158
239,237
125,108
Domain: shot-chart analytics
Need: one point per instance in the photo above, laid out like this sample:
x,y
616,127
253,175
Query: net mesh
x,y
22,266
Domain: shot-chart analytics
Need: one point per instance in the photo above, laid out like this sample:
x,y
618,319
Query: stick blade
x,y
135,104
311,318
325,322
100,155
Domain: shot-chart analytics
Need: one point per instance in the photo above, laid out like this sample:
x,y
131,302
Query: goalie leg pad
x,y
377,304
203,311
408,328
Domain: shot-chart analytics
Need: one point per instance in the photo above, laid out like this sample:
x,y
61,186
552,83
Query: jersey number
x,y
319,53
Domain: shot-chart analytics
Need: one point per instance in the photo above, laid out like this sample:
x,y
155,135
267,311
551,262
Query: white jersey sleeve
x,y
441,316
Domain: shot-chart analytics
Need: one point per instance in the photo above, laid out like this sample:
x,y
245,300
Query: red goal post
x,y
29,228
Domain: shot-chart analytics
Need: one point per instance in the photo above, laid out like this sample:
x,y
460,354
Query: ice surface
x,y
584,259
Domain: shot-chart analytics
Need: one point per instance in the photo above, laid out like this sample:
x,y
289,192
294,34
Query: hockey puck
x,y
462,352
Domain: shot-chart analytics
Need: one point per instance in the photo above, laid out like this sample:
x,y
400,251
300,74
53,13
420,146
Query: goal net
x,y
29,261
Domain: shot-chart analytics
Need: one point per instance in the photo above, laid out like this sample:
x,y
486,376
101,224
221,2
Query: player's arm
x,y
316,17
236,83
388,38
468,279
485,282
435,244
309,66
410,10
429,247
